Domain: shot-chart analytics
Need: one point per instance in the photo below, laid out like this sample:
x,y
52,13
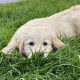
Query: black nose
x,y
39,54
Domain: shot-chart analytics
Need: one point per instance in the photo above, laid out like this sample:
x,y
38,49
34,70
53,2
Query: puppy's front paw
x,y
6,50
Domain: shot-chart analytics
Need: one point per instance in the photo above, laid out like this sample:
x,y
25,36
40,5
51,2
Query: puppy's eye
x,y
31,43
44,43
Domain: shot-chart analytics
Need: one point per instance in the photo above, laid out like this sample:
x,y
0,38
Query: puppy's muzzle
x,y
39,53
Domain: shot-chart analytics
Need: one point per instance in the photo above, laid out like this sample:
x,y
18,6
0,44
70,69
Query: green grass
x,y
63,64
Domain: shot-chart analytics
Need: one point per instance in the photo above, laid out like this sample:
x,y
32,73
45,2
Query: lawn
x,y
61,64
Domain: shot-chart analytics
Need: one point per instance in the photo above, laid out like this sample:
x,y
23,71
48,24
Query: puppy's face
x,y
36,41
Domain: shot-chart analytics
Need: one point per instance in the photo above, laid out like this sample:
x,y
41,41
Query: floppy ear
x,y
57,43
20,45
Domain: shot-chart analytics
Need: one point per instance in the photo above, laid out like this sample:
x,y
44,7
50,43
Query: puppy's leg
x,y
10,47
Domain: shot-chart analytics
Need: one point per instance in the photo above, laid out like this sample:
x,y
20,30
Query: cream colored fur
x,y
44,31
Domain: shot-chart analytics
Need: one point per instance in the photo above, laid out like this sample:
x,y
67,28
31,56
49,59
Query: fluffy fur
x,y
40,34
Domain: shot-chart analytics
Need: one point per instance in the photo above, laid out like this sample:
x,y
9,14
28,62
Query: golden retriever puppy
x,y
40,34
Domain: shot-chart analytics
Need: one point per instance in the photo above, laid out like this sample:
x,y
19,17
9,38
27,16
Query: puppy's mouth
x,y
41,53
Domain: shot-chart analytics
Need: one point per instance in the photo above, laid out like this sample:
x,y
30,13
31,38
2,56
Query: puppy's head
x,y
37,40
